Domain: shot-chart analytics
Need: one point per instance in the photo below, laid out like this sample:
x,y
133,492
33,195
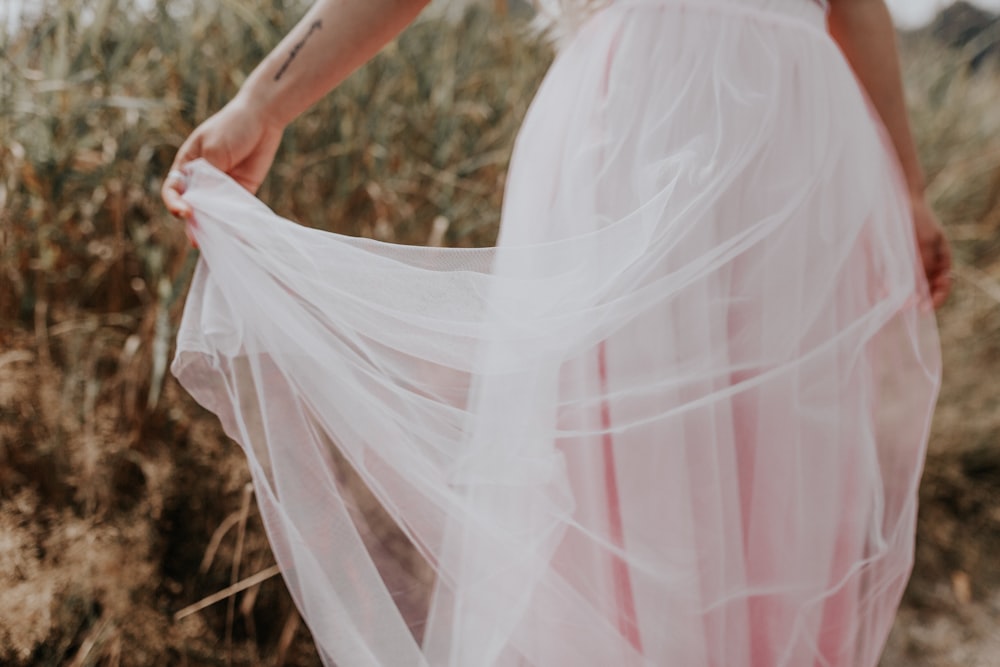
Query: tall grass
x,y
120,501
92,111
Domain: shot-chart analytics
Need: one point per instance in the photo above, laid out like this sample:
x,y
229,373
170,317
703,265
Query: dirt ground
x,y
951,612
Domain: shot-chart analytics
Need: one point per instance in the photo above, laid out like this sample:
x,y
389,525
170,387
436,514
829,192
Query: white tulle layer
x,y
676,418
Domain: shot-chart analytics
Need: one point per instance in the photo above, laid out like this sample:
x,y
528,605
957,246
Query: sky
x,y
907,13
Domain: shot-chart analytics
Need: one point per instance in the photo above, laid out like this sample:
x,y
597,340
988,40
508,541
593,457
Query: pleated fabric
x,y
676,418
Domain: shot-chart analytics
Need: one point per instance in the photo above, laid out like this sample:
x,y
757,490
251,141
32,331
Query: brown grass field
x,y
121,501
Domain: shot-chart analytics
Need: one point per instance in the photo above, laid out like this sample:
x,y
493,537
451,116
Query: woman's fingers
x,y
175,183
936,257
935,251
941,281
173,188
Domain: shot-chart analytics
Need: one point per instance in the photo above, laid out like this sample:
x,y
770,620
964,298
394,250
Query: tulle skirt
x,y
676,418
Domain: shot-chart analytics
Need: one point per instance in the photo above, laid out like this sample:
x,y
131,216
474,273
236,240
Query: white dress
x,y
677,418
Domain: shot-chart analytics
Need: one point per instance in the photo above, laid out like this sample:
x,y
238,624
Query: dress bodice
x,y
562,18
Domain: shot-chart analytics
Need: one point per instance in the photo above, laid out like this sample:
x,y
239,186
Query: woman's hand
x,y
237,140
334,38
935,253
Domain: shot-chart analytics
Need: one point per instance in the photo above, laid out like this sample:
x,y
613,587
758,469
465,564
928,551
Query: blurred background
x,y
128,532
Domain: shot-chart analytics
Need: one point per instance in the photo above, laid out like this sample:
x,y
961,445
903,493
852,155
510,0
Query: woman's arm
x,y
334,38
865,33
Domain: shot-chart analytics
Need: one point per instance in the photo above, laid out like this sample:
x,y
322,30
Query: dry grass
x,y
121,502
952,607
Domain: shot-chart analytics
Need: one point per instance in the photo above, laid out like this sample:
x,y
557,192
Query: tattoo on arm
x,y
317,25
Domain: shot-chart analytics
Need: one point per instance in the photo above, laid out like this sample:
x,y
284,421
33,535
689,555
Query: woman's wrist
x,y
913,171
262,104
917,189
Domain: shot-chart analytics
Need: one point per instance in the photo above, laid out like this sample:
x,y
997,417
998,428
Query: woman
x,y
676,417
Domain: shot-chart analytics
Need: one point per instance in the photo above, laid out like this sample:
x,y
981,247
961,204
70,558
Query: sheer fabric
x,y
676,418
